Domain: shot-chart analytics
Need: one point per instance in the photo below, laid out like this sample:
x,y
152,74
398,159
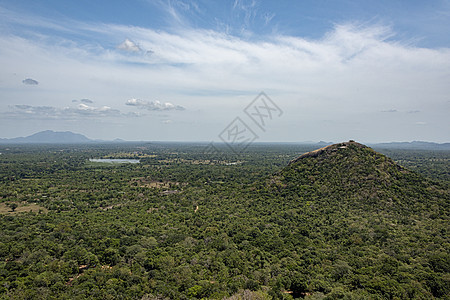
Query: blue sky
x,y
423,22
373,71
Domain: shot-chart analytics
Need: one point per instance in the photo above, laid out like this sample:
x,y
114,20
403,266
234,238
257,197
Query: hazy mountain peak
x,y
50,137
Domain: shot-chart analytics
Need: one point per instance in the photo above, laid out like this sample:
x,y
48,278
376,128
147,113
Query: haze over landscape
x,y
183,70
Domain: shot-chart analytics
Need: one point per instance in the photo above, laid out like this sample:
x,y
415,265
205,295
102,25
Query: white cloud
x,y
129,46
84,107
153,105
22,111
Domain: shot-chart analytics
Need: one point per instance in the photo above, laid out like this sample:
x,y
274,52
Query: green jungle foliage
x,y
346,223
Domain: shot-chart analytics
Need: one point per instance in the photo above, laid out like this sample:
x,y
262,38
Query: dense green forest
x,y
344,223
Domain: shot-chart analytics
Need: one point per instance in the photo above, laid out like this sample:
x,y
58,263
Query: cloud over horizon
x,y
21,111
153,105
89,101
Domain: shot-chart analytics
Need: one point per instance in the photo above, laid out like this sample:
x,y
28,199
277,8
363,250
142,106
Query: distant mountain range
x,y
49,137
68,137
413,145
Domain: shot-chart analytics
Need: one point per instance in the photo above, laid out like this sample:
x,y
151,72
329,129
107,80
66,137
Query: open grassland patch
x,y
149,183
199,162
5,208
130,155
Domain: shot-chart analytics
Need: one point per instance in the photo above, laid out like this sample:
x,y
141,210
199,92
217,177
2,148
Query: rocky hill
x,y
358,176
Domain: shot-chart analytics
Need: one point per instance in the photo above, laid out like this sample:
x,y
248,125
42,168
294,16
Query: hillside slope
x,y
381,225
359,177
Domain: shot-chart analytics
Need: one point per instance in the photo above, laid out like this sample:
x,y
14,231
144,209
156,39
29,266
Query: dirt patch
x,y
199,162
152,209
169,192
22,207
110,207
149,183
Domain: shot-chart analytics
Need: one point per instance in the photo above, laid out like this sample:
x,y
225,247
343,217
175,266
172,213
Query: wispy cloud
x,y
89,101
153,105
354,70
268,18
249,8
193,60
50,112
177,11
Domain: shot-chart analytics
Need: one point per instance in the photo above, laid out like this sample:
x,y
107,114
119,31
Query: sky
x,y
179,70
